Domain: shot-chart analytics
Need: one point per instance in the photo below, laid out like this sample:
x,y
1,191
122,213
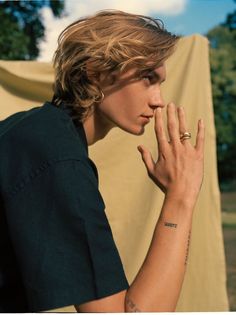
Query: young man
x,y
57,243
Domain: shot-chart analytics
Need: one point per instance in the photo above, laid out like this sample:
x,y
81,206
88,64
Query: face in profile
x,y
130,101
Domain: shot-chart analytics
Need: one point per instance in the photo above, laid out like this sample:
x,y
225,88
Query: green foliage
x,y
223,74
22,28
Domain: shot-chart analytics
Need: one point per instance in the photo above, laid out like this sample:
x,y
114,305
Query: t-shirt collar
x,y
78,125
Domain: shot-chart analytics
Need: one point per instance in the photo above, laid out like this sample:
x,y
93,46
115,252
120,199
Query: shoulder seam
x,y
34,173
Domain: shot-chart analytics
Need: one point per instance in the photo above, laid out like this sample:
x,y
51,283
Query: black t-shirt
x,y
56,244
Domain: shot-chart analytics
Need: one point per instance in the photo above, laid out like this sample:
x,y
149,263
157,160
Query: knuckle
x,y
199,155
159,129
144,158
171,123
201,136
181,114
175,152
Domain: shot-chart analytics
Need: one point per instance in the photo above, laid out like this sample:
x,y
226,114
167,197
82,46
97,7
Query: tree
x,y
22,28
223,74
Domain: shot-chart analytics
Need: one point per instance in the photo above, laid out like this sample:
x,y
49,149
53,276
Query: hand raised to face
x,y
179,167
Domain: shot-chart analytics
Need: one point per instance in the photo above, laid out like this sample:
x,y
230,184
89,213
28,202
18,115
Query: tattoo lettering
x,y
132,306
172,225
187,251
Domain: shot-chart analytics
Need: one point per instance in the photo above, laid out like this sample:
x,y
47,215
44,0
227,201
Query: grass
x,y
229,219
228,204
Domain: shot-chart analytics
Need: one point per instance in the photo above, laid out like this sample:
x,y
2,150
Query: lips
x,y
146,119
147,116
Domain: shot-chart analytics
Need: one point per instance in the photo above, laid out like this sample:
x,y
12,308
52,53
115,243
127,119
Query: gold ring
x,y
184,136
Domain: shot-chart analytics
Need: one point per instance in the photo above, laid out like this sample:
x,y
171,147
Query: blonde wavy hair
x,y
108,41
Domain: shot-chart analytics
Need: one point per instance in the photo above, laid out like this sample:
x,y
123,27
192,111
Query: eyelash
x,y
150,78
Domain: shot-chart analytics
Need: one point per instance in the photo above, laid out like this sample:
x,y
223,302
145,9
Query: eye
x,y
150,78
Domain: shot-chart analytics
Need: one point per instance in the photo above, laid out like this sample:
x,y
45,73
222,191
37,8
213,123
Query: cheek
x,y
130,101
118,105
124,108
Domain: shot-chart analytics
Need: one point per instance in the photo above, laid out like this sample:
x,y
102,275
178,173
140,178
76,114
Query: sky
x,y
183,17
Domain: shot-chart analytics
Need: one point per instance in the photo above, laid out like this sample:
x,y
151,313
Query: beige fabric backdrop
x,y
133,203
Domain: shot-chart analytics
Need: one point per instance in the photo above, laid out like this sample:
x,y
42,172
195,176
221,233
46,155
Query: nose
x,y
156,100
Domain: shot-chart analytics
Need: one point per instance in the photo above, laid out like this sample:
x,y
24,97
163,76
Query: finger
x,y
182,123
147,159
160,130
182,120
172,124
200,136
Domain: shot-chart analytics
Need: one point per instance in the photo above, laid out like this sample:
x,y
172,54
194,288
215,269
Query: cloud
x,y
53,28
148,7
78,8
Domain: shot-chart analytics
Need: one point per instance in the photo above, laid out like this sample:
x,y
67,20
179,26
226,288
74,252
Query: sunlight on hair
x,y
108,41
80,8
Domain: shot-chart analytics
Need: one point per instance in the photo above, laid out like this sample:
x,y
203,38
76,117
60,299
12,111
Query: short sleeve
x,y
62,238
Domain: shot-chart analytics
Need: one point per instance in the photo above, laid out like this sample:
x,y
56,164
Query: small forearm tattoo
x,y
172,225
132,306
187,250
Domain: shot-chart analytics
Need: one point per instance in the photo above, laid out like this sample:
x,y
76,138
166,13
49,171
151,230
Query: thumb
x,y
147,159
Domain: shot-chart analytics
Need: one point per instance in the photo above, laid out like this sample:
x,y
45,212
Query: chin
x,y
135,131
140,133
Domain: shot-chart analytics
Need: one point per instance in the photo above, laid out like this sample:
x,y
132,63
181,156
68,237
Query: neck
x,y
96,127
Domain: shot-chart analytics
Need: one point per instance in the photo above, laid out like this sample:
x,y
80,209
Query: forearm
x,y
158,283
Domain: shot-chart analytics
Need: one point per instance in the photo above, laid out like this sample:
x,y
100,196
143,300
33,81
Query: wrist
x,y
176,211
182,195
180,201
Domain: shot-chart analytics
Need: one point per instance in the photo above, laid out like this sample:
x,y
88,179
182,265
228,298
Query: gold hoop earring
x,y
99,98
102,96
